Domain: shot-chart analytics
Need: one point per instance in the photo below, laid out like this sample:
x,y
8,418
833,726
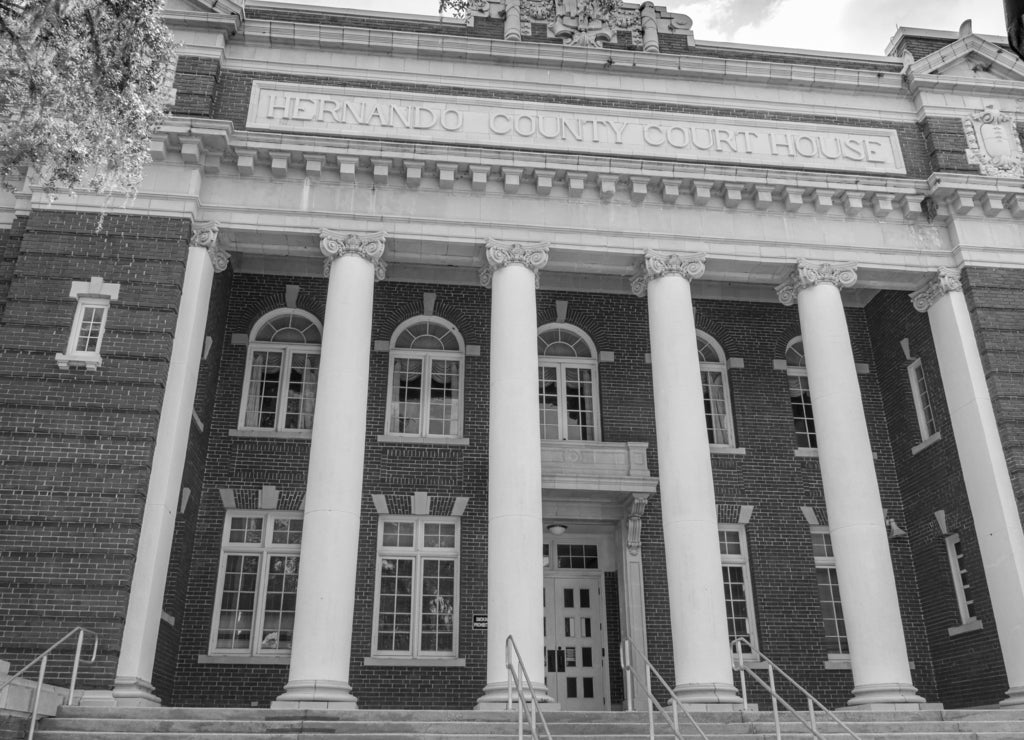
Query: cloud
x,y
728,16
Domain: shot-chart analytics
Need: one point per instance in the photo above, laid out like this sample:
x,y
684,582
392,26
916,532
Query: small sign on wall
x,y
479,621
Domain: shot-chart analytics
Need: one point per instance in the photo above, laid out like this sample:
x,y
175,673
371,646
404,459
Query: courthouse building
x,y
423,332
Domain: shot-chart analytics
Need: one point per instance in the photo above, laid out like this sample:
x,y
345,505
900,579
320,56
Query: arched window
x,y
715,379
800,394
425,386
568,384
281,372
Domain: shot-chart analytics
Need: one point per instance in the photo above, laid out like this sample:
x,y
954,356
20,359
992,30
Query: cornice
x,y
556,56
227,24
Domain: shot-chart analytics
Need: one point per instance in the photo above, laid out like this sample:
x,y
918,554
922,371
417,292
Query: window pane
x,y
287,531
729,542
927,416
803,415
579,404
234,625
444,397
406,393
264,388
302,379
279,612
832,611
735,602
438,534
577,556
395,607
548,385
89,331
248,529
822,543
716,411
399,534
438,607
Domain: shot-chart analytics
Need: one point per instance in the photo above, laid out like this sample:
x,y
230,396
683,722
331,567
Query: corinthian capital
x,y
335,244
947,280
204,236
808,274
660,264
502,254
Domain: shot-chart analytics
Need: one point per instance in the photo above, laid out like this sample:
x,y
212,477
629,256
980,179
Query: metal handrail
x,y
42,660
517,676
626,651
737,645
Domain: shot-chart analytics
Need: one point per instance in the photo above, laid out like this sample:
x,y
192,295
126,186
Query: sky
x,y
855,26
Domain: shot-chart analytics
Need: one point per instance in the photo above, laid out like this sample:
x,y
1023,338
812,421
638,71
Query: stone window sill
x,y
301,435
416,662
87,360
805,452
926,443
243,659
962,629
840,662
726,450
402,440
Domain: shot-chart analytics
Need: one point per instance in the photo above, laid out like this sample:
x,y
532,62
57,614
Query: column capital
x,y
533,257
946,280
808,274
204,236
660,264
335,244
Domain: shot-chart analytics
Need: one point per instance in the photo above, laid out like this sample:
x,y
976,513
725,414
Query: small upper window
x,y
281,372
800,394
425,380
568,384
715,380
922,401
88,324
828,592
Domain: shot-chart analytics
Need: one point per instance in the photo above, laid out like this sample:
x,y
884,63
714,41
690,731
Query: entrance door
x,y
575,641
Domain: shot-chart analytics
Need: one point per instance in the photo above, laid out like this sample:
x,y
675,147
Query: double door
x,y
575,642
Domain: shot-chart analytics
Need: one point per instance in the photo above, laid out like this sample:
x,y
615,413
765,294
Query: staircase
x,y
89,723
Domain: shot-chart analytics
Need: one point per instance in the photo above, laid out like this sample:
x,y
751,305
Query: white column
x,y
986,475
132,684
878,652
700,633
515,567
325,599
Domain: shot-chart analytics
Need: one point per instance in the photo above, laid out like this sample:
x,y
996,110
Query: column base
x,y
886,697
314,694
707,697
1014,698
97,698
131,691
495,697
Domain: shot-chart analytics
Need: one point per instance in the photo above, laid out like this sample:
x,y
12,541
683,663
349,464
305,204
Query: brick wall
x,y
947,145
10,245
76,446
195,80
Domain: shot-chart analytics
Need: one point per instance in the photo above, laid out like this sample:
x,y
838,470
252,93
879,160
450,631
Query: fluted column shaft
x,y
700,634
986,474
325,598
878,653
132,684
515,568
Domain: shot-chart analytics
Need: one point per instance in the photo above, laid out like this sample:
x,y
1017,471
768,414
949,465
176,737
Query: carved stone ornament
x,y
502,254
993,143
808,274
634,523
204,236
335,244
947,280
660,264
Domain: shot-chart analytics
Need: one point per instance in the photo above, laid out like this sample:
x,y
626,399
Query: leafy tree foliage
x,y
82,86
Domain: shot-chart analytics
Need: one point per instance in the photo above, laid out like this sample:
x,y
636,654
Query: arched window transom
x,y
281,372
425,379
568,384
715,382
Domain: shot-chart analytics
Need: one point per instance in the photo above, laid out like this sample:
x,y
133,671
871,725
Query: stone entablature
x,y
619,467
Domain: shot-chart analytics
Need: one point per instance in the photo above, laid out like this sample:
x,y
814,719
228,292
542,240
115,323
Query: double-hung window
x,y
425,379
922,401
567,381
800,395
416,612
89,323
961,581
739,599
828,592
715,381
281,373
254,613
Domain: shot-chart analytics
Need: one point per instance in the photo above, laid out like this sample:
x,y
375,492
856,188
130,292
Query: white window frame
x,y
94,294
829,563
561,364
800,371
718,366
426,357
418,553
287,350
958,570
265,549
926,423
742,560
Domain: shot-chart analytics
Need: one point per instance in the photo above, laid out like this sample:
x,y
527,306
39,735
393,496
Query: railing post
x,y
775,702
743,674
35,699
74,668
650,700
810,709
627,669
